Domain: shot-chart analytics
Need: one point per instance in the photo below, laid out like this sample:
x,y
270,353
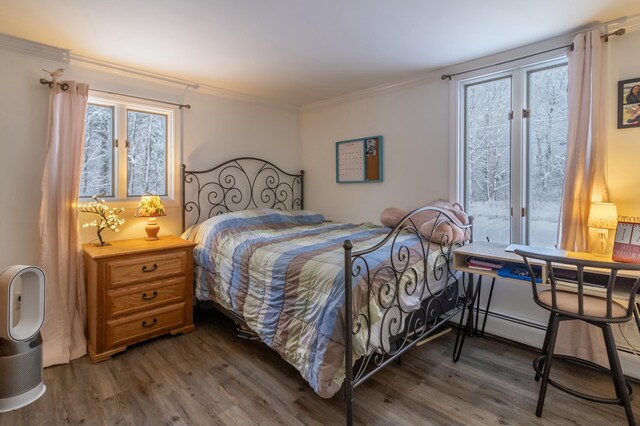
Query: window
x,y
512,143
129,150
147,153
97,167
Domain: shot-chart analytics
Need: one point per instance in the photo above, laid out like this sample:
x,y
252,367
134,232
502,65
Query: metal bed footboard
x,y
385,285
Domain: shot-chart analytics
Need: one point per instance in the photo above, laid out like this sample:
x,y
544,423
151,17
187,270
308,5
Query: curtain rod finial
x,y
445,77
618,32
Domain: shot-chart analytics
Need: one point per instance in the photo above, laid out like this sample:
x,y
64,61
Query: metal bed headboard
x,y
238,184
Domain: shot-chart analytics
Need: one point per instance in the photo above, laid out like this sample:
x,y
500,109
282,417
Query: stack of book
x,y
503,269
483,264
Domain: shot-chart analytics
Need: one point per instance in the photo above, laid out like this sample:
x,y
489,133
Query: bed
x,y
322,294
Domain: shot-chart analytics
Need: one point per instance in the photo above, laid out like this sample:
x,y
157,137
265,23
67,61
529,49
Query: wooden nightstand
x,y
136,290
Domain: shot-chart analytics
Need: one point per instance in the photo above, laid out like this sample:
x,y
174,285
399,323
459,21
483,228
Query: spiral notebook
x,y
626,246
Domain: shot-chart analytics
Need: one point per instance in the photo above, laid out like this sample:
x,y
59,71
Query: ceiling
x,y
297,51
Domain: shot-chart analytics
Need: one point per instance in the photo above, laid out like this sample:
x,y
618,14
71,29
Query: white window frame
x,y
121,105
518,70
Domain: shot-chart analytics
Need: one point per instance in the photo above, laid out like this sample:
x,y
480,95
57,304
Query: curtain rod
x,y
619,32
65,86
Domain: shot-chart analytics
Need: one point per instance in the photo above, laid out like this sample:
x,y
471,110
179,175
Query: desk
x,y
496,252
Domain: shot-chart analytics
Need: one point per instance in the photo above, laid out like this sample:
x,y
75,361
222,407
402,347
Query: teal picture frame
x,y
360,160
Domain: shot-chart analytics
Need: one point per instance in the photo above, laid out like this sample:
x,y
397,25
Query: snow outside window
x,y
129,150
513,128
97,167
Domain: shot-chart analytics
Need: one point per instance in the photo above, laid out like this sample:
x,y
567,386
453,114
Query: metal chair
x,y
571,304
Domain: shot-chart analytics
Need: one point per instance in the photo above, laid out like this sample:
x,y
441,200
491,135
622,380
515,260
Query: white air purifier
x,y
21,316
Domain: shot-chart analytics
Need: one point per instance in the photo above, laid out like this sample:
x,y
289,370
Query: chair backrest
x,y
603,268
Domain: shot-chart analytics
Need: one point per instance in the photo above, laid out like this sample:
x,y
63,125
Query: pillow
x,y
442,231
256,219
426,221
288,217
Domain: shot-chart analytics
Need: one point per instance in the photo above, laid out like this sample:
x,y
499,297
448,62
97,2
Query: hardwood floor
x,y
211,377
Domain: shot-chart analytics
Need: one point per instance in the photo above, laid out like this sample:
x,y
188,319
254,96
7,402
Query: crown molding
x,y
375,90
173,81
629,23
20,45
239,96
33,48
113,67
435,74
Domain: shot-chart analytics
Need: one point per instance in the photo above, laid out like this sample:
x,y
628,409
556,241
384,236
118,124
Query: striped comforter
x,y
283,272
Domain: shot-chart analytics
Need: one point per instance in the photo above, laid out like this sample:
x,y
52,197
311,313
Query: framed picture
x,y
359,160
626,246
629,103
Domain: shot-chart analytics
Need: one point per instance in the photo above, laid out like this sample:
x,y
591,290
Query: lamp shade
x,y
150,206
603,216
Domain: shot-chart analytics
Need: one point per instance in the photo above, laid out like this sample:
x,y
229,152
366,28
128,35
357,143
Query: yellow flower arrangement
x,y
108,218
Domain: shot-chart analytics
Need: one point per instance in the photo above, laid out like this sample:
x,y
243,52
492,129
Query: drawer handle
x,y
153,268
154,322
153,296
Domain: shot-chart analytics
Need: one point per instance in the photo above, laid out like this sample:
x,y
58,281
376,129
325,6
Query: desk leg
x,y
461,334
473,291
486,309
477,297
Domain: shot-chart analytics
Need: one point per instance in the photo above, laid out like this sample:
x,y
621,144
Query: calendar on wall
x,y
626,246
359,160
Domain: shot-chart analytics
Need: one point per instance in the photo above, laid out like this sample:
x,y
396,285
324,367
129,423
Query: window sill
x,y
132,203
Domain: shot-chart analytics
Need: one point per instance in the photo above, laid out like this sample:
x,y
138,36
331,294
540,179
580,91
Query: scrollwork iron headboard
x,y
238,184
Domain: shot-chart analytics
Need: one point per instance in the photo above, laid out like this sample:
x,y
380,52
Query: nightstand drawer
x,y
146,267
144,296
144,324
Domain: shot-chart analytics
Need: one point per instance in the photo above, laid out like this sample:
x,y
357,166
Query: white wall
x,y
22,108
624,144
414,124
215,129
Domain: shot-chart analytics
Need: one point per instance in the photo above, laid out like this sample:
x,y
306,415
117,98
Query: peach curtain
x,y
585,176
60,250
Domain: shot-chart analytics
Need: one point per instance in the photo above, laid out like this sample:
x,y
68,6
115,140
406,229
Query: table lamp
x,y
603,217
151,206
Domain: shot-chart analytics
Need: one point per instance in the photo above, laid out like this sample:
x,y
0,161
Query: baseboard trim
x,y
512,327
515,320
531,333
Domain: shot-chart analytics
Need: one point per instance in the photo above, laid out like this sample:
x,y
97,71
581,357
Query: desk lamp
x,y
150,206
603,217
